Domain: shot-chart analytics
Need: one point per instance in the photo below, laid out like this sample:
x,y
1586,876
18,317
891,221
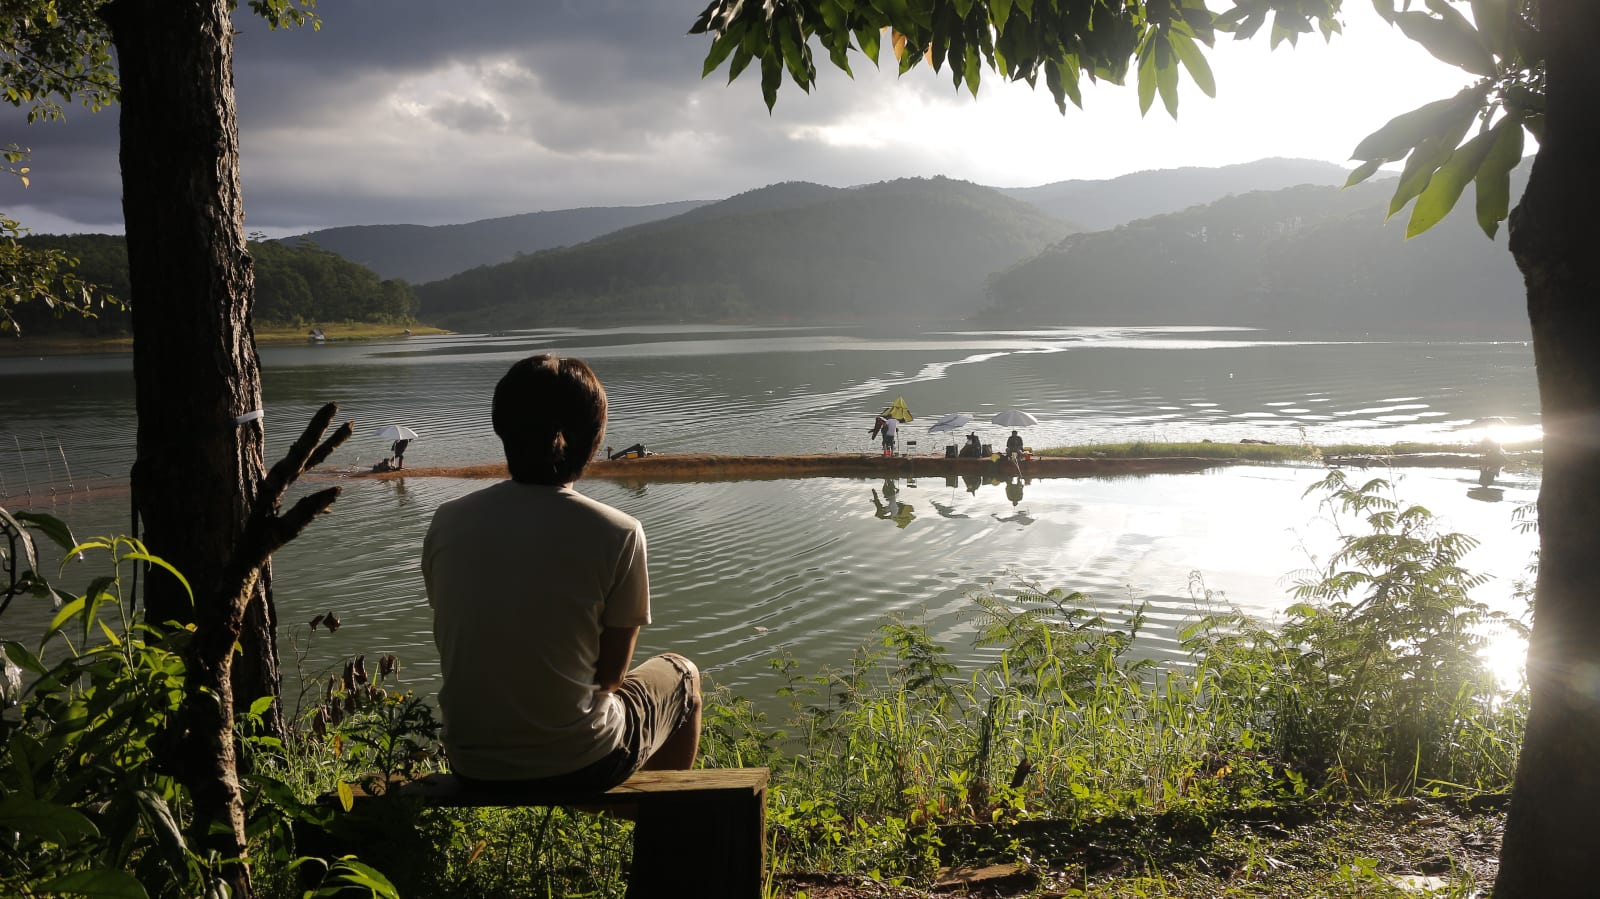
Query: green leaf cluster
x,y
1066,41
48,276
1061,41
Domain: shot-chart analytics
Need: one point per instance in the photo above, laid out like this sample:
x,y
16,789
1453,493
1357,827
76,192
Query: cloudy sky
x,y
433,113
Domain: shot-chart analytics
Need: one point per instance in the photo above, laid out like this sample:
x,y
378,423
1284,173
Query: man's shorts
x,y
658,697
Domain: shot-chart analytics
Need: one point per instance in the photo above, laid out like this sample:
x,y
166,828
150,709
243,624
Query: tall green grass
x,y
1373,686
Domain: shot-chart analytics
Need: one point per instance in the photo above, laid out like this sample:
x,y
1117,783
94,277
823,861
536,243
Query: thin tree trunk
x,y
1549,846
196,373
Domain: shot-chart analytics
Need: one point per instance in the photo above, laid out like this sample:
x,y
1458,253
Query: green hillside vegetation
x,y
418,253
909,248
1304,257
295,285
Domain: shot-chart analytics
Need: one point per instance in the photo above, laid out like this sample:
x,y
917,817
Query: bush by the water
x,y
1372,685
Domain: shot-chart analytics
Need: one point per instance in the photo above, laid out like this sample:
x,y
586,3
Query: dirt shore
x,y
670,467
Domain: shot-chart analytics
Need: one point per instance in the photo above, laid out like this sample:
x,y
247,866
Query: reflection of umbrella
x,y
897,410
396,432
952,422
1014,418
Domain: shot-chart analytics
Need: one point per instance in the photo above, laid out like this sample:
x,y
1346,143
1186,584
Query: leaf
x,y
1424,161
1147,77
102,884
63,616
24,659
10,524
50,526
162,563
1494,175
347,796
1451,39
1167,78
999,12
1363,172
159,819
1403,132
39,819
720,48
1195,62
1445,186
1493,18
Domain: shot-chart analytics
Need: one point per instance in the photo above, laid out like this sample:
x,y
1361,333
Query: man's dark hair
x,y
550,414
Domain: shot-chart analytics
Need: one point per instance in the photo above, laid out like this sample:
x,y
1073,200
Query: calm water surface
x,y
742,570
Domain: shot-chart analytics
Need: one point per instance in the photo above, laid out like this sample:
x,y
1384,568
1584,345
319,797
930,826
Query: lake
x,y
742,571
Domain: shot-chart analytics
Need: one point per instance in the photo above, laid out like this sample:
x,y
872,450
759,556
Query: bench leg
x,y
714,849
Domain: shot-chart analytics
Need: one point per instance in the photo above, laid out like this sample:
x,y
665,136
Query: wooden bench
x,y
697,833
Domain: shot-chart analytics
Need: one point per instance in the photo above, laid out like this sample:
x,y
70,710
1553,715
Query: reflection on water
x,y
742,569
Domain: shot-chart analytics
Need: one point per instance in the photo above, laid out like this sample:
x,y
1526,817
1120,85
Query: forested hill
x,y
294,286
1304,257
1098,205
912,248
418,253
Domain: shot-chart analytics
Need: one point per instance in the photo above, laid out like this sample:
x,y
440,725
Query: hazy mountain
x,y
1098,205
915,248
420,253
1303,257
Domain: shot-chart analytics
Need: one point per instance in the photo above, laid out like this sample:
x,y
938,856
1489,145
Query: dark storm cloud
x,y
427,112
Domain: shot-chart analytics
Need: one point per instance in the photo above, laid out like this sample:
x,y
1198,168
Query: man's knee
x,y
691,672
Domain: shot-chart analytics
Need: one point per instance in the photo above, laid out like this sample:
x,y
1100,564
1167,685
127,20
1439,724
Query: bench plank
x,y
698,833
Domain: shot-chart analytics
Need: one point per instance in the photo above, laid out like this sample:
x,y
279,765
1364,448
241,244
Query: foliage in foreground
x,y
1371,687
1374,686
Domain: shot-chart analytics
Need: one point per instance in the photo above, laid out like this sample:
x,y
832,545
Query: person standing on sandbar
x,y
538,594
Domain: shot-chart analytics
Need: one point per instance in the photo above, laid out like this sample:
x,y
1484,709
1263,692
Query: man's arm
x,y
616,652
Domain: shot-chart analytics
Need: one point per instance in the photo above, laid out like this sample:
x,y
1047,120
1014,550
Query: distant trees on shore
x,y
295,285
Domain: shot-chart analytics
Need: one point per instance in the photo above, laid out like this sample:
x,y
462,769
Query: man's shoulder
x,y
512,497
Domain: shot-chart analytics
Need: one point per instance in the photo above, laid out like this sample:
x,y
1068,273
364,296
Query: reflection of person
x,y
398,451
538,594
891,509
1014,490
890,426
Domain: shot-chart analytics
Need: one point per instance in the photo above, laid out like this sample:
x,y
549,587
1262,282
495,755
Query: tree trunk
x,y
196,373
1548,849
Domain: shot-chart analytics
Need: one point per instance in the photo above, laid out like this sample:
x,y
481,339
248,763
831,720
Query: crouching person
x,y
538,594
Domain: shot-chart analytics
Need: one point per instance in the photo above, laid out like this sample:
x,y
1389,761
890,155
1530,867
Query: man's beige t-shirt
x,y
522,577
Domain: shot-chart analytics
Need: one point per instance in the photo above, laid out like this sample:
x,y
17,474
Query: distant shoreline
x,y
271,335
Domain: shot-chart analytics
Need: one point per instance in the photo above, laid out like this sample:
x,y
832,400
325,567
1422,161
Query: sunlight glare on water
x,y
744,570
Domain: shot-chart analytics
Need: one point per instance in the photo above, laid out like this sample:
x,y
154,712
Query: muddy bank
x,y
668,467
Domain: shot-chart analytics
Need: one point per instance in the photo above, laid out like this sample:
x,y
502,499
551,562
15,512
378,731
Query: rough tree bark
x,y
1548,850
197,376
203,738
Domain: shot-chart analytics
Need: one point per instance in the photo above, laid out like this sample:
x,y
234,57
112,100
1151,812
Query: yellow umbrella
x,y
897,410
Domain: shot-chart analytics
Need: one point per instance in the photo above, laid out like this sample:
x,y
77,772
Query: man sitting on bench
x,y
538,594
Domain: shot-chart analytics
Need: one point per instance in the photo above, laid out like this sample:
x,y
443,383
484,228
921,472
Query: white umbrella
x,y
953,421
396,432
1014,418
